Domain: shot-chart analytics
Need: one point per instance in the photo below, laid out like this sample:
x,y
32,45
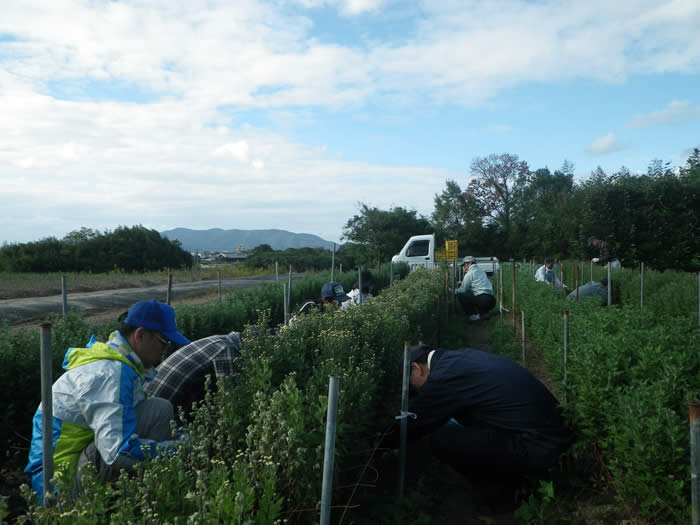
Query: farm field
x,y
18,285
376,332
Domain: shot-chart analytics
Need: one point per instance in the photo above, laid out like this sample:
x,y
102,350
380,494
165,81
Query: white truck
x,y
419,250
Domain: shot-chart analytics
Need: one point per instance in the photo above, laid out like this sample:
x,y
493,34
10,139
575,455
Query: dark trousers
x,y
496,462
476,304
484,451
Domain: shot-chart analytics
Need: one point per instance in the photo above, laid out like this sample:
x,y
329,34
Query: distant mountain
x,y
218,240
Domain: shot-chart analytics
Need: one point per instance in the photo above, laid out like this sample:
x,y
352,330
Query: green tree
x,y
81,235
495,189
452,211
545,214
384,232
691,170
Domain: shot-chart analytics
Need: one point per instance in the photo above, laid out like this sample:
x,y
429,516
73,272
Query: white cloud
x,y
121,112
605,144
678,113
346,7
250,55
237,150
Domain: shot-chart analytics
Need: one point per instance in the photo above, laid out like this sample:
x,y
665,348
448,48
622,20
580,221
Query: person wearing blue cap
x,y
333,294
101,413
332,298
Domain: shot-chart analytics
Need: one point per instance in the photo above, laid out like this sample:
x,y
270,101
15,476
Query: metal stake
x,y
641,285
333,262
514,321
289,290
46,410
522,334
359,283
404,421
170,287
64,293
329,450
566,354
609,284
694,413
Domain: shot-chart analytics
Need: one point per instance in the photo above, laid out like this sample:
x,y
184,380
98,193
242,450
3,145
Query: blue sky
x,y
288,113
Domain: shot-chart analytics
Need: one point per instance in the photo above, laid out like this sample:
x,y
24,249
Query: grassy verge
x,y
18,285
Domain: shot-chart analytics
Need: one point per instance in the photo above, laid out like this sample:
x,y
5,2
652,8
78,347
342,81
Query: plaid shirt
x,y
180,378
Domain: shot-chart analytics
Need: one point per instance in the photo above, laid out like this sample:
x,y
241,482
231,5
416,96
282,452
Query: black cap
x,y
418,353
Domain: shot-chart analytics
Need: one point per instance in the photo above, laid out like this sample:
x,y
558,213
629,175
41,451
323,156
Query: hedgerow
x,y
631,371
256,451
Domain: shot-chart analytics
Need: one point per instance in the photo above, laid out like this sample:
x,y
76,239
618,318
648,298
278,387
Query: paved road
x,y
18,311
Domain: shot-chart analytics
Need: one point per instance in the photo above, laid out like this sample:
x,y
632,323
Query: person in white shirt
x,y
475,292
356,298
546,274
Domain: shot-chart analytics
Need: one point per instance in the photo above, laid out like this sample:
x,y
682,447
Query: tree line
x,y
129,249
506,210
511,211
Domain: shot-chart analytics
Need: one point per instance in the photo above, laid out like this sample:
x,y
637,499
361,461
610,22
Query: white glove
x,y
595,259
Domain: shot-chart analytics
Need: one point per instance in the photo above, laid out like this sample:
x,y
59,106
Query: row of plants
x,y
253,443
20,349
631,371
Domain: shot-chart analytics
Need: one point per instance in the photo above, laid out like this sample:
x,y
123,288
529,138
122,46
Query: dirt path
x,y
434,492
110,303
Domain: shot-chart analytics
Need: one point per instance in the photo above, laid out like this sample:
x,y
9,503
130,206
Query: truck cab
x,y
419,250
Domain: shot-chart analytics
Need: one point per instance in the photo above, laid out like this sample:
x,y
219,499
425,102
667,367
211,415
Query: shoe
x,y
474,317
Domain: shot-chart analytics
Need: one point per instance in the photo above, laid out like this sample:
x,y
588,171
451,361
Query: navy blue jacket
x,y
477,388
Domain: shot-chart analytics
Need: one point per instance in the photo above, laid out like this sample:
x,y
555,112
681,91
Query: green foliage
x,y
300,259
631,372
508,210
127,249
384,232
536,509
256,437
494,190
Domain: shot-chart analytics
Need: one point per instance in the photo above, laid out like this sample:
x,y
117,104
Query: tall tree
x,y
384,232
458,218
544,218
691,170
451,211
494,189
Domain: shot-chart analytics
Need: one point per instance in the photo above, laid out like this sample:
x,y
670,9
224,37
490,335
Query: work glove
x,y
595,259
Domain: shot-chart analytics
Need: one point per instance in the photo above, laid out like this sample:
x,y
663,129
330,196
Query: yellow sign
x,y
451,250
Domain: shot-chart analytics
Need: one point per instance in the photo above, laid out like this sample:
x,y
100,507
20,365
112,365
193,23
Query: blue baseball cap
x,y
156,316
334,291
